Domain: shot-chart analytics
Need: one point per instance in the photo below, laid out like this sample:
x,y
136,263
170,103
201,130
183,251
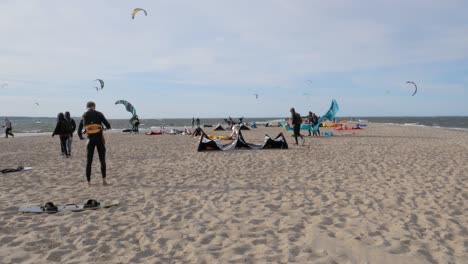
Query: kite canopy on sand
x,y
415,87
331,113
136,10
128,106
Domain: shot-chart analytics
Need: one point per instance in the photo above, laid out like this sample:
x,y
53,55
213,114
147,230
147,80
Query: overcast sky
x,y
208,57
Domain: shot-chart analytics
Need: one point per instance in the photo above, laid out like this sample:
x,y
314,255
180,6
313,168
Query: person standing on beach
x,y
315,119
310,117
8,128
63,129
135,121
193,122
296,120
73,128
198,122
93,121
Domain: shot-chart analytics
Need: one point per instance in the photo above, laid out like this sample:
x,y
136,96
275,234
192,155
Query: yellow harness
x,y
93,129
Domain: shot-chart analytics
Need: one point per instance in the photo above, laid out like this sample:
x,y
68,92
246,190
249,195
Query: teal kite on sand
x,y
331,113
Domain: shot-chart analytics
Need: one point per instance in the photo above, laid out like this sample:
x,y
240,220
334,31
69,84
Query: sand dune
x,y
387,194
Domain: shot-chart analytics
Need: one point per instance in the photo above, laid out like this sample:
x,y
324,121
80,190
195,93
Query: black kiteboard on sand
x,y
50,208
19,168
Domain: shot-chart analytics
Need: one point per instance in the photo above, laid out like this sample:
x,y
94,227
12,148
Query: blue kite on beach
x,y
331,113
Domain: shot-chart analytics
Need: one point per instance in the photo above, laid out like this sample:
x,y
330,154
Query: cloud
x,y
242,45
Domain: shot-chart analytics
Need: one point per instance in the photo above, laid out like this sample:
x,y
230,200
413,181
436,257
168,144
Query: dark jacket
x,y
73,125
296,119
62,128
92,117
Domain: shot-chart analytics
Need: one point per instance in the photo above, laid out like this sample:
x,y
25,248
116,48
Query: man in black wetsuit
x,y
296,120
92,121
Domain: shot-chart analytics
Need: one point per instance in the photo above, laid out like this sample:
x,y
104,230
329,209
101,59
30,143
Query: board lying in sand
x,y
50,208
93,205
156,132
19,168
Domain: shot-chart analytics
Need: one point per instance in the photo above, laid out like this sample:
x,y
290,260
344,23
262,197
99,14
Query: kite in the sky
x,y
415,87
101,82
256,96
128,106
37,104
4,85
136,10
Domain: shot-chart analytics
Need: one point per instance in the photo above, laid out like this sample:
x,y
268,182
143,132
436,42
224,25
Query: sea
x,y
43,125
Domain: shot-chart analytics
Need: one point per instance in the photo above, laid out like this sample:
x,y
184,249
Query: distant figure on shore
x,y
296,121
8,128
315,119
135,124
73,128
193,122
309,121
241,120
63,129
198,122
93,122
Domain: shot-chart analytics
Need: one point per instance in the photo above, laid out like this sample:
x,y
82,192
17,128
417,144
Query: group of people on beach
x,y
65,128
195,121
93,123
297,120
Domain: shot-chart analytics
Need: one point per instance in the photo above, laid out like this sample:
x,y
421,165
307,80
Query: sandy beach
x,y
386,194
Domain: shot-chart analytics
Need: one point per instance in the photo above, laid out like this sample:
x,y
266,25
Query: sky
x,y
208,58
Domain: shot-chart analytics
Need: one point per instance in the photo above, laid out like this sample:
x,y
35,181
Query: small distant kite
x,y
415,87
4,85
36,103
136,10
256,96
101,82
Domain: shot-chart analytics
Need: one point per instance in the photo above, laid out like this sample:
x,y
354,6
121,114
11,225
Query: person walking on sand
x,y
296,121
8,128
315,119
73,128
63,130
310,118
193,122
198,122
93,121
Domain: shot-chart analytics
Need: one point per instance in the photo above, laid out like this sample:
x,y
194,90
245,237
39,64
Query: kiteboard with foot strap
x,y
93,205
50,208
47,208
19,168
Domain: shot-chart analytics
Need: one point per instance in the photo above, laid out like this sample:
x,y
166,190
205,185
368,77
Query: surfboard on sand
x,y
19,168
94,205
50,208
47,208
